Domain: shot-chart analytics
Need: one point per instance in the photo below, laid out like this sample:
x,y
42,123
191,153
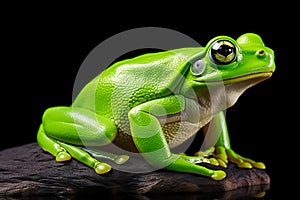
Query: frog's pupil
x,y
225,50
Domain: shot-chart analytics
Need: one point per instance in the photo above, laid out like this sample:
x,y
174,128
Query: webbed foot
x,y
224,155
185,163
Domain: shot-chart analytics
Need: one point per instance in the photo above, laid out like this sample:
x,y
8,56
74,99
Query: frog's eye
x,y
223,52
198,67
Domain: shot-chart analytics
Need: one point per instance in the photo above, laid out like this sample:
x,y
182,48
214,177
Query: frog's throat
x,y
235,87
224,93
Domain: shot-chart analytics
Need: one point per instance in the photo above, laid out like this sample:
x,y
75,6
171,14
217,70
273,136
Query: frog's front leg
x,y
65,129
223,152
150,140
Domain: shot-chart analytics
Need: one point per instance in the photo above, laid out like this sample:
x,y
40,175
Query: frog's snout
x,y
253,43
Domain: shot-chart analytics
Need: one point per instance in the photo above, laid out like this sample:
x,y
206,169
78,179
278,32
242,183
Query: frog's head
x,y
234,64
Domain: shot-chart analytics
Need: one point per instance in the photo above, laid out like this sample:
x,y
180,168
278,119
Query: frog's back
x,y
131,82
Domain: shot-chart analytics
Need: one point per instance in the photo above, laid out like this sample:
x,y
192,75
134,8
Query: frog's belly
x,y
178,132
177,128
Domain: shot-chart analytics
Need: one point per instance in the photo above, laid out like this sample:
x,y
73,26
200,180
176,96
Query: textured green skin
x,y
124,103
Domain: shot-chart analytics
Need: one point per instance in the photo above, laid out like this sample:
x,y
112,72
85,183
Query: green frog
x,y
155,102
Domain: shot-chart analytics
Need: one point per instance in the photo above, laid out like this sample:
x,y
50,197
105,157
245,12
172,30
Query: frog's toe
x,y
240,162
220,154
244,165
222,157
102,168
62,156
121,159
218,175
213,161
248,164
259,165
222,163
244,162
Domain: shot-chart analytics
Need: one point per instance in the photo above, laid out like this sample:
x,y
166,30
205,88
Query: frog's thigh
x,y
78,126
63,126
150,140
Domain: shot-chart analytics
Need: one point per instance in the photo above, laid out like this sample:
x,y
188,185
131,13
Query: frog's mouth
x,y
258,76
255,77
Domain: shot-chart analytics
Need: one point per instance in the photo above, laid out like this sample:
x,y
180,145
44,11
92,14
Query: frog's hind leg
x,y
65,130
62,152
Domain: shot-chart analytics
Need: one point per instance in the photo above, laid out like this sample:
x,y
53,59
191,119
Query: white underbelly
x,y
177,132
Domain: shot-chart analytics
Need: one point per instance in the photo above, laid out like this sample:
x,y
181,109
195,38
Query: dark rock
x,y
27,171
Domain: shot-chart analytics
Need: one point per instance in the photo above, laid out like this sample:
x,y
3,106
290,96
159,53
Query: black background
x,y
44,48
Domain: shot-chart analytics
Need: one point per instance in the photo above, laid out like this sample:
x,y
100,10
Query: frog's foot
x,y
204,157
187,164
200,159
82,156
64,152
224,155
